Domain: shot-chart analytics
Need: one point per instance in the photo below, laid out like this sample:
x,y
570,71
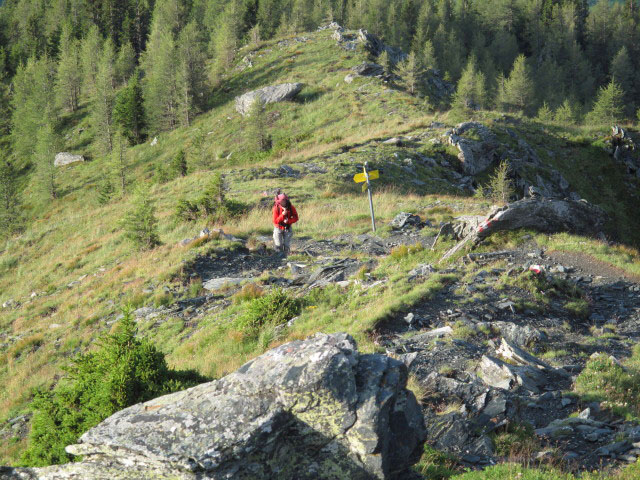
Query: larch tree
x,y
90,53
191,75
33,106
409,72
9,197
623,73
159,87
471,91
226,37
103,99
609,106
128,111
125,63
518,88
69,75
47,144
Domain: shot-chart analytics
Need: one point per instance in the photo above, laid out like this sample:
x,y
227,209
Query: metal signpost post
x,y
367,176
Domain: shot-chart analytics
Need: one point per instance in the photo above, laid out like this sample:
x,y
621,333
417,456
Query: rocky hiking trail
x,y
495,349
478,360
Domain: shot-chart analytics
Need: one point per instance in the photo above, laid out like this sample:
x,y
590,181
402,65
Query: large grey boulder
x,y
541,214
305,410
65,158
271,94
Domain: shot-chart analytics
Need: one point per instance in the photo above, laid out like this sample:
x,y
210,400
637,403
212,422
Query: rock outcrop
x,y
271,94
307,409
65,158
475,156
540,214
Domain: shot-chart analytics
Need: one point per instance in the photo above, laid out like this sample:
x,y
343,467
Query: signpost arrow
x,y
362,177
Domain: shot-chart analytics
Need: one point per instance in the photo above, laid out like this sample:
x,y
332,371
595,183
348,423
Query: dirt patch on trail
x,y
590,265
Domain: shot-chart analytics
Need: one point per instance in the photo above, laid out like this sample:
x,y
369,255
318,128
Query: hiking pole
x,y
373,216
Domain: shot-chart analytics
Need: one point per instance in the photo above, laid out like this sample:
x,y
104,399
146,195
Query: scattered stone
x,y
422,270
431,334
410,318
566,401
154,142
523,335
404,219
66,158
216,284
9,303
368,69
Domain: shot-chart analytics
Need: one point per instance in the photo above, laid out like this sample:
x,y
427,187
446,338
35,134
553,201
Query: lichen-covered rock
x,y
475,156
307,409
271,94
65,158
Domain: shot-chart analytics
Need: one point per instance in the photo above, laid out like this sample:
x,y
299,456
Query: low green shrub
x,y
123,371
275,308
402,251
212,204
249,292
516,440
619,385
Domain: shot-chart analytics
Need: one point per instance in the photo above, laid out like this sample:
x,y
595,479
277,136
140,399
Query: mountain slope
x,y
71,271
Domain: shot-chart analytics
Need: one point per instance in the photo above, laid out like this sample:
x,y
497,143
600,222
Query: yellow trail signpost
x,y
365,178
362,177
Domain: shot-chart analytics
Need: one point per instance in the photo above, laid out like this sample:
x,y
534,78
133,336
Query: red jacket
x,y
278,217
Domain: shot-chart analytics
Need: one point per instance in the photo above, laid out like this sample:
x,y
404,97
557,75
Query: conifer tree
x,y
226,37
47,144
69,78
545,114
140,223
90,53
409,72
500,185
623,73
106,190
518,88
471,93
159,87
33,105
429,56
254,35
565,114
128,111
9,198
179,164
125,64
5,105
609,107
257,128
103,99
119,160
191,78
385,62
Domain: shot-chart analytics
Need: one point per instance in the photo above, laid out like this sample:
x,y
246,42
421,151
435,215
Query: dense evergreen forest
x,y
143,67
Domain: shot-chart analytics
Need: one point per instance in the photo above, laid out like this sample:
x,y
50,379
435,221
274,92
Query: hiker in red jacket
x,y
284,215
